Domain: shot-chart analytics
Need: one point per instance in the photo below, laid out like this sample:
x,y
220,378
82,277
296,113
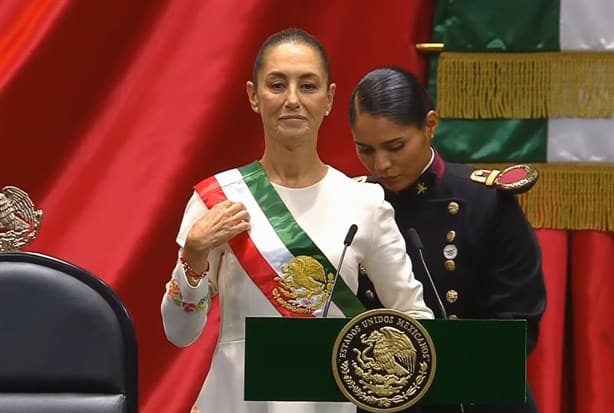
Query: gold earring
x,y
255,109
326,113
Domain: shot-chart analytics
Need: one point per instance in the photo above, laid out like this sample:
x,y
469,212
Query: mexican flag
x,y
532,81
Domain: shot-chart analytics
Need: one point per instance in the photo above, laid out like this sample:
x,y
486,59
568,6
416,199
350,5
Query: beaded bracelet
x,y
189,271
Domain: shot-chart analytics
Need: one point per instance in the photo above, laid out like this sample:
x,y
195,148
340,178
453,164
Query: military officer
x,y
480,250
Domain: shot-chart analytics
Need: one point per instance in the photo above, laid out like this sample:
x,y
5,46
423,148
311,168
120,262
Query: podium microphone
x,y
416,243
349,237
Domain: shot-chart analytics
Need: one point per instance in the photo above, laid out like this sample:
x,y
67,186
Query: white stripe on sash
x,y
262,232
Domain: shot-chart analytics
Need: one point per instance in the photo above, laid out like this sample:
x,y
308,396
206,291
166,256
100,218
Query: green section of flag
x,y
492,140
497,26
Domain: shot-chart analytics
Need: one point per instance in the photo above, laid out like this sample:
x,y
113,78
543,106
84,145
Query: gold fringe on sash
x,y
570,196
525,85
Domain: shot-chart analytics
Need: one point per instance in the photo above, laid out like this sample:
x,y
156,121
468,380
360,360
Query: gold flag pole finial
x,y
429,47
19,220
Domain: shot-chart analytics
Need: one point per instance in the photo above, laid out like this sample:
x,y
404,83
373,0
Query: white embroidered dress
x,y
324,211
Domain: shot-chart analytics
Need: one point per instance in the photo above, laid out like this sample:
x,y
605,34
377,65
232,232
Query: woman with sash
x,y
267,236
481,252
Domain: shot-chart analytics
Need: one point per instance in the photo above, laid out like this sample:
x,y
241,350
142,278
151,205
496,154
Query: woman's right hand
x,y
217,226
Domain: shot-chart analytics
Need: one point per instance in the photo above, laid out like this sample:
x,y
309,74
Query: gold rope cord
x,y
571,196
525,85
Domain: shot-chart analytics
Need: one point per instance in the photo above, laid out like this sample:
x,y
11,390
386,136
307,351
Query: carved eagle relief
x,y
19,220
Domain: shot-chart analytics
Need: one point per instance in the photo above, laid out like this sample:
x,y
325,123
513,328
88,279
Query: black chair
x,y
67,343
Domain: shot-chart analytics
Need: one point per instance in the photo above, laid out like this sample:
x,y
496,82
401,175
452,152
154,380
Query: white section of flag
x,y
584,25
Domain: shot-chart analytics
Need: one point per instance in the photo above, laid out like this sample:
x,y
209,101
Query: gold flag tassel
x,y
525,85
570,196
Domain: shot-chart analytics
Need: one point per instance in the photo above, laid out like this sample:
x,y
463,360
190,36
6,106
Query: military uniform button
x,y
453,208
452,317
449,265
369,294
451,236
452,296
450,251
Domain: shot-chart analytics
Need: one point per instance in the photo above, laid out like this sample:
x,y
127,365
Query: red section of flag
x,y
593,326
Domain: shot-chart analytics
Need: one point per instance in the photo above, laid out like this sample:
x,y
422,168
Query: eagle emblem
x,y
19,220
392,352
304,286
383,360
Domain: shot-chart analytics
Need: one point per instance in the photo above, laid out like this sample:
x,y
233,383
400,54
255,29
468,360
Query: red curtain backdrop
x,y
111,110
547,365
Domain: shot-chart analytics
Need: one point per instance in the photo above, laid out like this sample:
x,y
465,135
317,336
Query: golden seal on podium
x,y
19,221
383,361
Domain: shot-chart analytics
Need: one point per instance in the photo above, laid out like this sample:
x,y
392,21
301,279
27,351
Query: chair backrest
x,y
67,343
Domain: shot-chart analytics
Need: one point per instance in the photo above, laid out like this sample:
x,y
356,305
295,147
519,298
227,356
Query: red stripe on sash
x,y
250,258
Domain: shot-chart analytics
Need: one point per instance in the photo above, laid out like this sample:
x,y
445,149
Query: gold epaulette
x,y
515,178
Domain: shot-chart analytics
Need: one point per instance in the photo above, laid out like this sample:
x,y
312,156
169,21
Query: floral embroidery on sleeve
x,y
174,292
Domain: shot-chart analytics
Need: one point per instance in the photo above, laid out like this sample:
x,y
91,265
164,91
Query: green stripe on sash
x,y
293,236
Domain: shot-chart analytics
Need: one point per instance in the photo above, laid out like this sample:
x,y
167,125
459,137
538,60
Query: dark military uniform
x,y
480,250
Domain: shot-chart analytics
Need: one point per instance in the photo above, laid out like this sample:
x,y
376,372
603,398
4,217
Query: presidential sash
x,y
277,254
